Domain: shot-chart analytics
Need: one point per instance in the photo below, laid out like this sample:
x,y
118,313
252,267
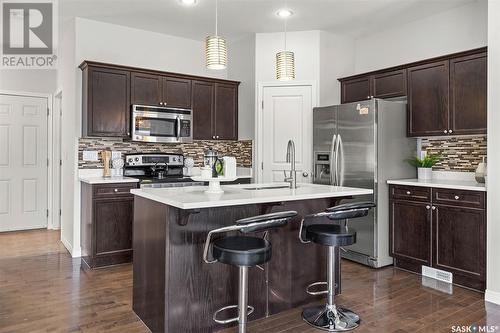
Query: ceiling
x,y
239,18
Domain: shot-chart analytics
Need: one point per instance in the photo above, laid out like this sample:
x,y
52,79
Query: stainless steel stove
x,y
157,170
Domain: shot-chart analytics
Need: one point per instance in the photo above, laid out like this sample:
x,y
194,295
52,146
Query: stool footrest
x,y
319,292
230,320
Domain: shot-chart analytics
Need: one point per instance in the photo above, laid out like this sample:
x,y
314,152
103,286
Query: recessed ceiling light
x,y
284,13
188,2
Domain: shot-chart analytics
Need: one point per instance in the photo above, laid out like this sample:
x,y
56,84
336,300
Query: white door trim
x,y
50,145
258,116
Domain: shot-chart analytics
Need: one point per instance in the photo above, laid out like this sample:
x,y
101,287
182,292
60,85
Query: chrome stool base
x,y
331,319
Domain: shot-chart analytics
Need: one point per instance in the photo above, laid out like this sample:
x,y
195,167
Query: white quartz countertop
x,y
107,180
194,197
469,185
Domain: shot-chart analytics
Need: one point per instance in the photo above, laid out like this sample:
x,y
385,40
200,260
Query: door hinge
x,y
262,104
60,162
60,212
48,111
47,162
47,213
262,165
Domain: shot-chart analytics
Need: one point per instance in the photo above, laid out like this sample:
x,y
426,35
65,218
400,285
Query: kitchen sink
x,y
269,187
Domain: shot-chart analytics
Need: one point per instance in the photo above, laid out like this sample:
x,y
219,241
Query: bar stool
x,y
331,317
243,252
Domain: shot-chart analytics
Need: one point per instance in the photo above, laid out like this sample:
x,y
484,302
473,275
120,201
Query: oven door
x,y
160,127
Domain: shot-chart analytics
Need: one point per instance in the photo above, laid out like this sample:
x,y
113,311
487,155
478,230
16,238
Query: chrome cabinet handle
x,y
116,190
457,197
433,207
445,131
213,136
450,131
427,207
216,136
161,103
408,192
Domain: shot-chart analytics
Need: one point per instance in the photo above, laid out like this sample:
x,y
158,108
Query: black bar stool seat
x,y
242,251
330,235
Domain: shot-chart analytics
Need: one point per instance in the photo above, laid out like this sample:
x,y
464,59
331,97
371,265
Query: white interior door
x,y
286,114
23,162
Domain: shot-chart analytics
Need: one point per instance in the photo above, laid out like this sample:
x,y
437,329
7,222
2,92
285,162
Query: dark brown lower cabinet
x,y
448,233
106,224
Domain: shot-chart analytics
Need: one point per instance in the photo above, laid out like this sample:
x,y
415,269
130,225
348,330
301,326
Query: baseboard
x,y
75,253
492,296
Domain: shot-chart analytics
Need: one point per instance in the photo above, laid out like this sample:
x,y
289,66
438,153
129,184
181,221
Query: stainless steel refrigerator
x,y
363,145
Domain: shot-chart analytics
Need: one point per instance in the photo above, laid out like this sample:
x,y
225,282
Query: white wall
x,y
459,29
493,226
241,67
336,60
84,39
29,80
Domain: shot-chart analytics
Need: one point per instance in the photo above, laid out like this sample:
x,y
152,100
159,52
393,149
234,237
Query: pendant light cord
x,y
285,33
216,18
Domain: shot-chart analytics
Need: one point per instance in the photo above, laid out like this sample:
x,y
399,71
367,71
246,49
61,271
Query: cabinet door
x,y
460,242
108,104
428,99
355,90
410,231
203,110
390,84
226,111
113,225
146,89
468,81
176,92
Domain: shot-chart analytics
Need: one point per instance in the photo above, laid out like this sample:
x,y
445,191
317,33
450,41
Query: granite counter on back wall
x,y
242,150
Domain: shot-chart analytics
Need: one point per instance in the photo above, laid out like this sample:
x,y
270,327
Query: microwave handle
x,y
178,127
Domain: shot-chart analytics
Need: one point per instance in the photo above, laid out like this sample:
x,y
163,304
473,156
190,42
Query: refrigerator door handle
x,y
337,152
333,170
340,167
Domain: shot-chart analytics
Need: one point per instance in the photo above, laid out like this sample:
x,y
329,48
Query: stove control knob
x,y
137,159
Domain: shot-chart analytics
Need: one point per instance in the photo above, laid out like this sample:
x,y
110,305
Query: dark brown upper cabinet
x,y
226,111
468,90
146,89
389,84
203,102
150,89
382,85
354,90
106,102
215,111
428,99
110,90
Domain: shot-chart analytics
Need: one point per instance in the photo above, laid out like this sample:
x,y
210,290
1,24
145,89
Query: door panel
x,y
203,110
113,225
226,111
469,94
176,92
23,162
356,89
287,115
146,89
390,84
428,99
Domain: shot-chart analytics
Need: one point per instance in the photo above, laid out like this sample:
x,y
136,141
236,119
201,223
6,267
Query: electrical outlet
x,y
91,155
115,155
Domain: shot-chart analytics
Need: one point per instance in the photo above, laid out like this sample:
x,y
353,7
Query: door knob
x,y
305,174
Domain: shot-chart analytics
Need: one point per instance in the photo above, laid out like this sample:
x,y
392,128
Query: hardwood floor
x,y
42,289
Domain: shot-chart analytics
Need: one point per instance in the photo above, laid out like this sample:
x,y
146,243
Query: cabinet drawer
x,y
413,193
473,199
112,190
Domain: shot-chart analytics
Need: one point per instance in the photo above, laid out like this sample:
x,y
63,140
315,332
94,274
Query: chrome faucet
x,y
290,158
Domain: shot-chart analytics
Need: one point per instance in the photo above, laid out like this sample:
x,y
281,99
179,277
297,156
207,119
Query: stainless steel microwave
x,y
161,124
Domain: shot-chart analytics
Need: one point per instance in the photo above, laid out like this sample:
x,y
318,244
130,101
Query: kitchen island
x,y
175,291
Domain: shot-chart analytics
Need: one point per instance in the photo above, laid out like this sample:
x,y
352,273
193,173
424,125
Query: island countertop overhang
x,y
244,194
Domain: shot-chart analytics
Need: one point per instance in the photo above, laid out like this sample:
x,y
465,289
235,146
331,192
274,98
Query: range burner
x,y
157,170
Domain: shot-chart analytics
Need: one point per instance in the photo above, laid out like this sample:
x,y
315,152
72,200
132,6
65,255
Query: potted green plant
x,y
424,165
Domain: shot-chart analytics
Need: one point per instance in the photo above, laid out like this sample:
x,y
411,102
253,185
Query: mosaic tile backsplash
x,y
242,150
458,153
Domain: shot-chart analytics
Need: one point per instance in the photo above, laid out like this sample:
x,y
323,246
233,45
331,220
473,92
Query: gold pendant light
x,y
215,48
285,63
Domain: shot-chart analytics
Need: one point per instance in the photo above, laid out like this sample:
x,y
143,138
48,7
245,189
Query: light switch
x,y
115,155
91,155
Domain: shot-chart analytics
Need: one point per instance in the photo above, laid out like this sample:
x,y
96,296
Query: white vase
x,y
424,173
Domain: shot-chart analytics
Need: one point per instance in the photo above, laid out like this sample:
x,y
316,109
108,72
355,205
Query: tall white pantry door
x,y
23,162
286,115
